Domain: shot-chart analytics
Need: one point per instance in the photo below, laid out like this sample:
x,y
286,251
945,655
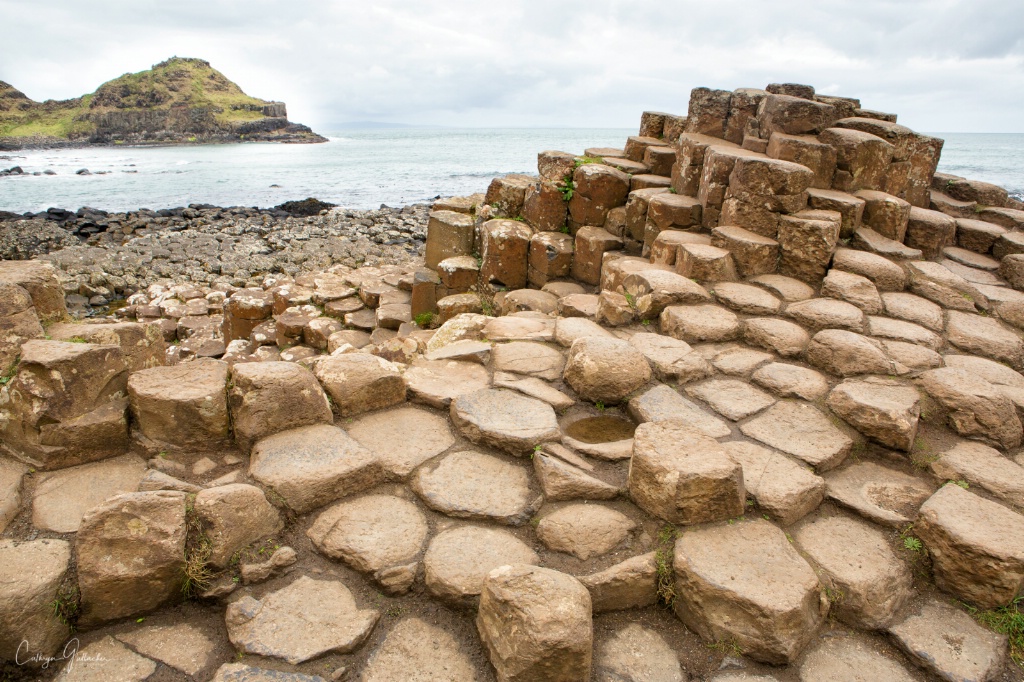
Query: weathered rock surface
x,y
476,486
883,495
663,403
415,650
974,545
437,382
536,624
107,659
682,476
30,574
849,658
459,559
403,437
801,430
584,530
314,465
781,487
561,480
745,582
359,382
976,408
303,621
984,466
235,516
636,654
882,409
630,584
505,420
63,497
605,369
269,397
731,398
183,647
131,553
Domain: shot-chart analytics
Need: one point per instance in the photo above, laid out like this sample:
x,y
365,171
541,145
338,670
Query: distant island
x,y
178,101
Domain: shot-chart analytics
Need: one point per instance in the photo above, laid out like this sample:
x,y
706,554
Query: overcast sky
x,y
942,65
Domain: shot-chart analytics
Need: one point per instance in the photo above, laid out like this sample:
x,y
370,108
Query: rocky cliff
x,y
178,101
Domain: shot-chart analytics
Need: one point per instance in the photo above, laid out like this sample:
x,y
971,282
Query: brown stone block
x,y
845,107
591,244
555,166
674,127
708,111
770,176
900,137
753,253
863,156
807,241
885,214
551,255
751,217
598,189
504,253
652,124
897,179
648,181
705,263
636,145
985,193
807,151
664,247
449,234
459,273
879,115
424,291
660,160
627,166
544,208
742,109
506,194
954,208
793,116
848,205
791,90
930,231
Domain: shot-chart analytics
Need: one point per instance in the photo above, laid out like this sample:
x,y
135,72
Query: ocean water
x,y
360,168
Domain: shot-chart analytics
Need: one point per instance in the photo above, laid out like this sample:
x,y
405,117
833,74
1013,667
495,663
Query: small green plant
x,y
962,483
599,405
1006,620
564,229
6,377
835,596
913,544
66,604
520,219
584,160
672,190
567,188
730,647
536,448
77,339
630,299
645,322
424,320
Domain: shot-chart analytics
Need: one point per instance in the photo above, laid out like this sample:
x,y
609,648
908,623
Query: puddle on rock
x,y
602,429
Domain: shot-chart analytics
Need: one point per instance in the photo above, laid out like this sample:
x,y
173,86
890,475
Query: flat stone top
x,y
260,374
186,381
846,546
677,446
51,353
471,484
34,562
800,429
976,521
313,446
403,438
371,532
752,558
501,411
461,557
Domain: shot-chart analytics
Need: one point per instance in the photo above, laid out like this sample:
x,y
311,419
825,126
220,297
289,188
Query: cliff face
x,y
177,101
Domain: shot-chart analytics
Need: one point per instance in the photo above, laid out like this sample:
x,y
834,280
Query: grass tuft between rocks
x,y
197,573
1006,620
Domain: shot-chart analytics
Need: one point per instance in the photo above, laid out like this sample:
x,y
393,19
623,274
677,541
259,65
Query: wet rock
x,y
745,582
381,535
476,486
883,495
459,559
536,624
303,621
869,582
312,466
682,476
974,546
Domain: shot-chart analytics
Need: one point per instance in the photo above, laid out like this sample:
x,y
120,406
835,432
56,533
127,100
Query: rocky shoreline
x,y
688,410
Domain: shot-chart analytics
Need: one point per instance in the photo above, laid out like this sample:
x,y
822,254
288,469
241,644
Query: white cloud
x,y
940,64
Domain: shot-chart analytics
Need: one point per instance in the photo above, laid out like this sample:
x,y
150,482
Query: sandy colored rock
x,y
745,582
883,495
359,382
655,290
584,530
112,539
747,299
562,481
314,465
459,559
671,358
849,658
882,409
381,535
852,288
976,408
269,397
448,234
531,359
30,574
11,474
418,652
664,403
870,582
630,584
985,336
471,351
63,497
800,429
107,659
984,466
780,336
182,406
823,313
403,437
949,290
886,275
636,654
950,643
235,516
846,353
605,369
183,646
476,486
437,382
40,280
914,309
236,672
791,381
536,624
305,620
505,420
740,361
682,476
731,398
568,329
698,324
782,487
974,545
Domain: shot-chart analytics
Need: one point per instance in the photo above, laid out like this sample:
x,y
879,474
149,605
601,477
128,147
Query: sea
x,y
359,168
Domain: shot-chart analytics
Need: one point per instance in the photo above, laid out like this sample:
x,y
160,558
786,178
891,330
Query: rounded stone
x,y
459,559
605,369
476,486
505,420
403,438
584,530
